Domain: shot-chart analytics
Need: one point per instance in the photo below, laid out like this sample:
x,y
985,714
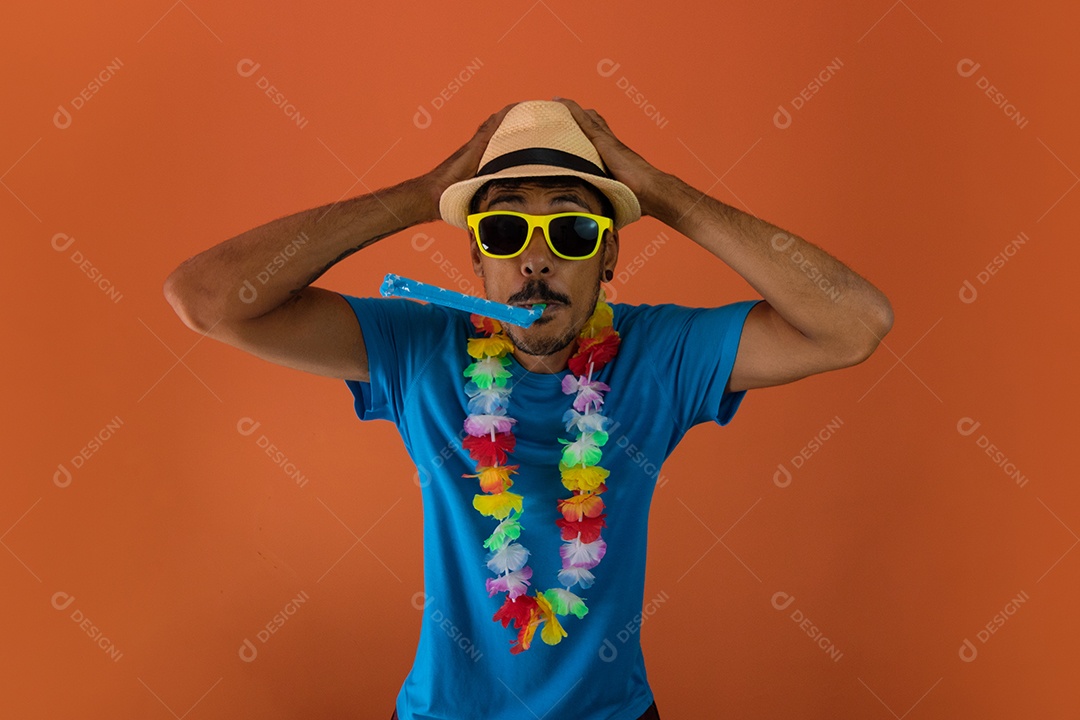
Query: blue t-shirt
x,y
669,375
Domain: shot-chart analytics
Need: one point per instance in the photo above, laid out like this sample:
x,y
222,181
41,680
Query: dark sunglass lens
x,y
503,234
574,236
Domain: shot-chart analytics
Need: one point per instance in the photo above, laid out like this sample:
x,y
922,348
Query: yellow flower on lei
x,y
493,346
583,478
552,632
601,317
498,505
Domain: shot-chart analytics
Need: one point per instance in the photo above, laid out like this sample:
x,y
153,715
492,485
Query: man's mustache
x,y
537,292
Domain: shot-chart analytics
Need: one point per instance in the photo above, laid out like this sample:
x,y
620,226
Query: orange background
x,y
900,538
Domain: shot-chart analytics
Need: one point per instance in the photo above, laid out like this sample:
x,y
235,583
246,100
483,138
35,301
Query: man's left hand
x,y
624,164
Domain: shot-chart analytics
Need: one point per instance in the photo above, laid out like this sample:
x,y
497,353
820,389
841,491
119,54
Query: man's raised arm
x,y
260,270
817,314
254,291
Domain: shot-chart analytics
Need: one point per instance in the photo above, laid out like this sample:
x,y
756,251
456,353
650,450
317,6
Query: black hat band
x,y
542,156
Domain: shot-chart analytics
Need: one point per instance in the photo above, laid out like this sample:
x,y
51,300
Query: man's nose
x,y
537,258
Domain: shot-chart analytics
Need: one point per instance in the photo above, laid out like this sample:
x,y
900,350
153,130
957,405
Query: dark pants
x,y
650,714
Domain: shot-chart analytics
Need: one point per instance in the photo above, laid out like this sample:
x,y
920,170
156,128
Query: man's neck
x,y
546,364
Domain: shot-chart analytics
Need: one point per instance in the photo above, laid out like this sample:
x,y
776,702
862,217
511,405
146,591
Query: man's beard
x,y
541,347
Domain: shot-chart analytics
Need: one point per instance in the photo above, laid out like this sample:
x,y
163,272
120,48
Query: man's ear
x,y
611,250
474,255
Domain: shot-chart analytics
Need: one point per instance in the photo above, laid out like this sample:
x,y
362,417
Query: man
x,y
537,580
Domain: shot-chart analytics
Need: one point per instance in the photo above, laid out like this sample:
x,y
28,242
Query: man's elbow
x,y
877,327
177,299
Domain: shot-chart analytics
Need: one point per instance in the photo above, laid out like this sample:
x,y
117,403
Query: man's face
x,y
569,287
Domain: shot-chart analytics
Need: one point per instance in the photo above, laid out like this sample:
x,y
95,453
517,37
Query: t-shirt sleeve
x,y
697,349
400,338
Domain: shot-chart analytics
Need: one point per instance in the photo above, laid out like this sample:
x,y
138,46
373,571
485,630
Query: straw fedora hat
x,y
539,138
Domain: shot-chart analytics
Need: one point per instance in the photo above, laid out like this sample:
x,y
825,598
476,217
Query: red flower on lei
x,y
599,350
588,527
524,613
486,451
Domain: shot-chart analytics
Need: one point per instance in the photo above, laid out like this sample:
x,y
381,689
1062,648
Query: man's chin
x,y
540,341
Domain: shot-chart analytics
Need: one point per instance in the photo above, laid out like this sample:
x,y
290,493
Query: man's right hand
x,y
463,164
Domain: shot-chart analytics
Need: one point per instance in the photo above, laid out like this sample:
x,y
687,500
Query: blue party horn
x,y
397,286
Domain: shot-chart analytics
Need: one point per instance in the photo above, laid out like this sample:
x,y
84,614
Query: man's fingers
x,y
573,107
567,102
495,119
598,119
579,113
502,113
587,123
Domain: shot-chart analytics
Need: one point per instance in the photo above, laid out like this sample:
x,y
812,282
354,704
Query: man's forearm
x,y
813,291
259,270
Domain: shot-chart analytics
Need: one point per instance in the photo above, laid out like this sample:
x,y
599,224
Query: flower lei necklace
x,y
489,440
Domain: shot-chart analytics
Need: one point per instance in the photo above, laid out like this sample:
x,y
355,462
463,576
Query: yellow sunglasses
x,y
505,234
